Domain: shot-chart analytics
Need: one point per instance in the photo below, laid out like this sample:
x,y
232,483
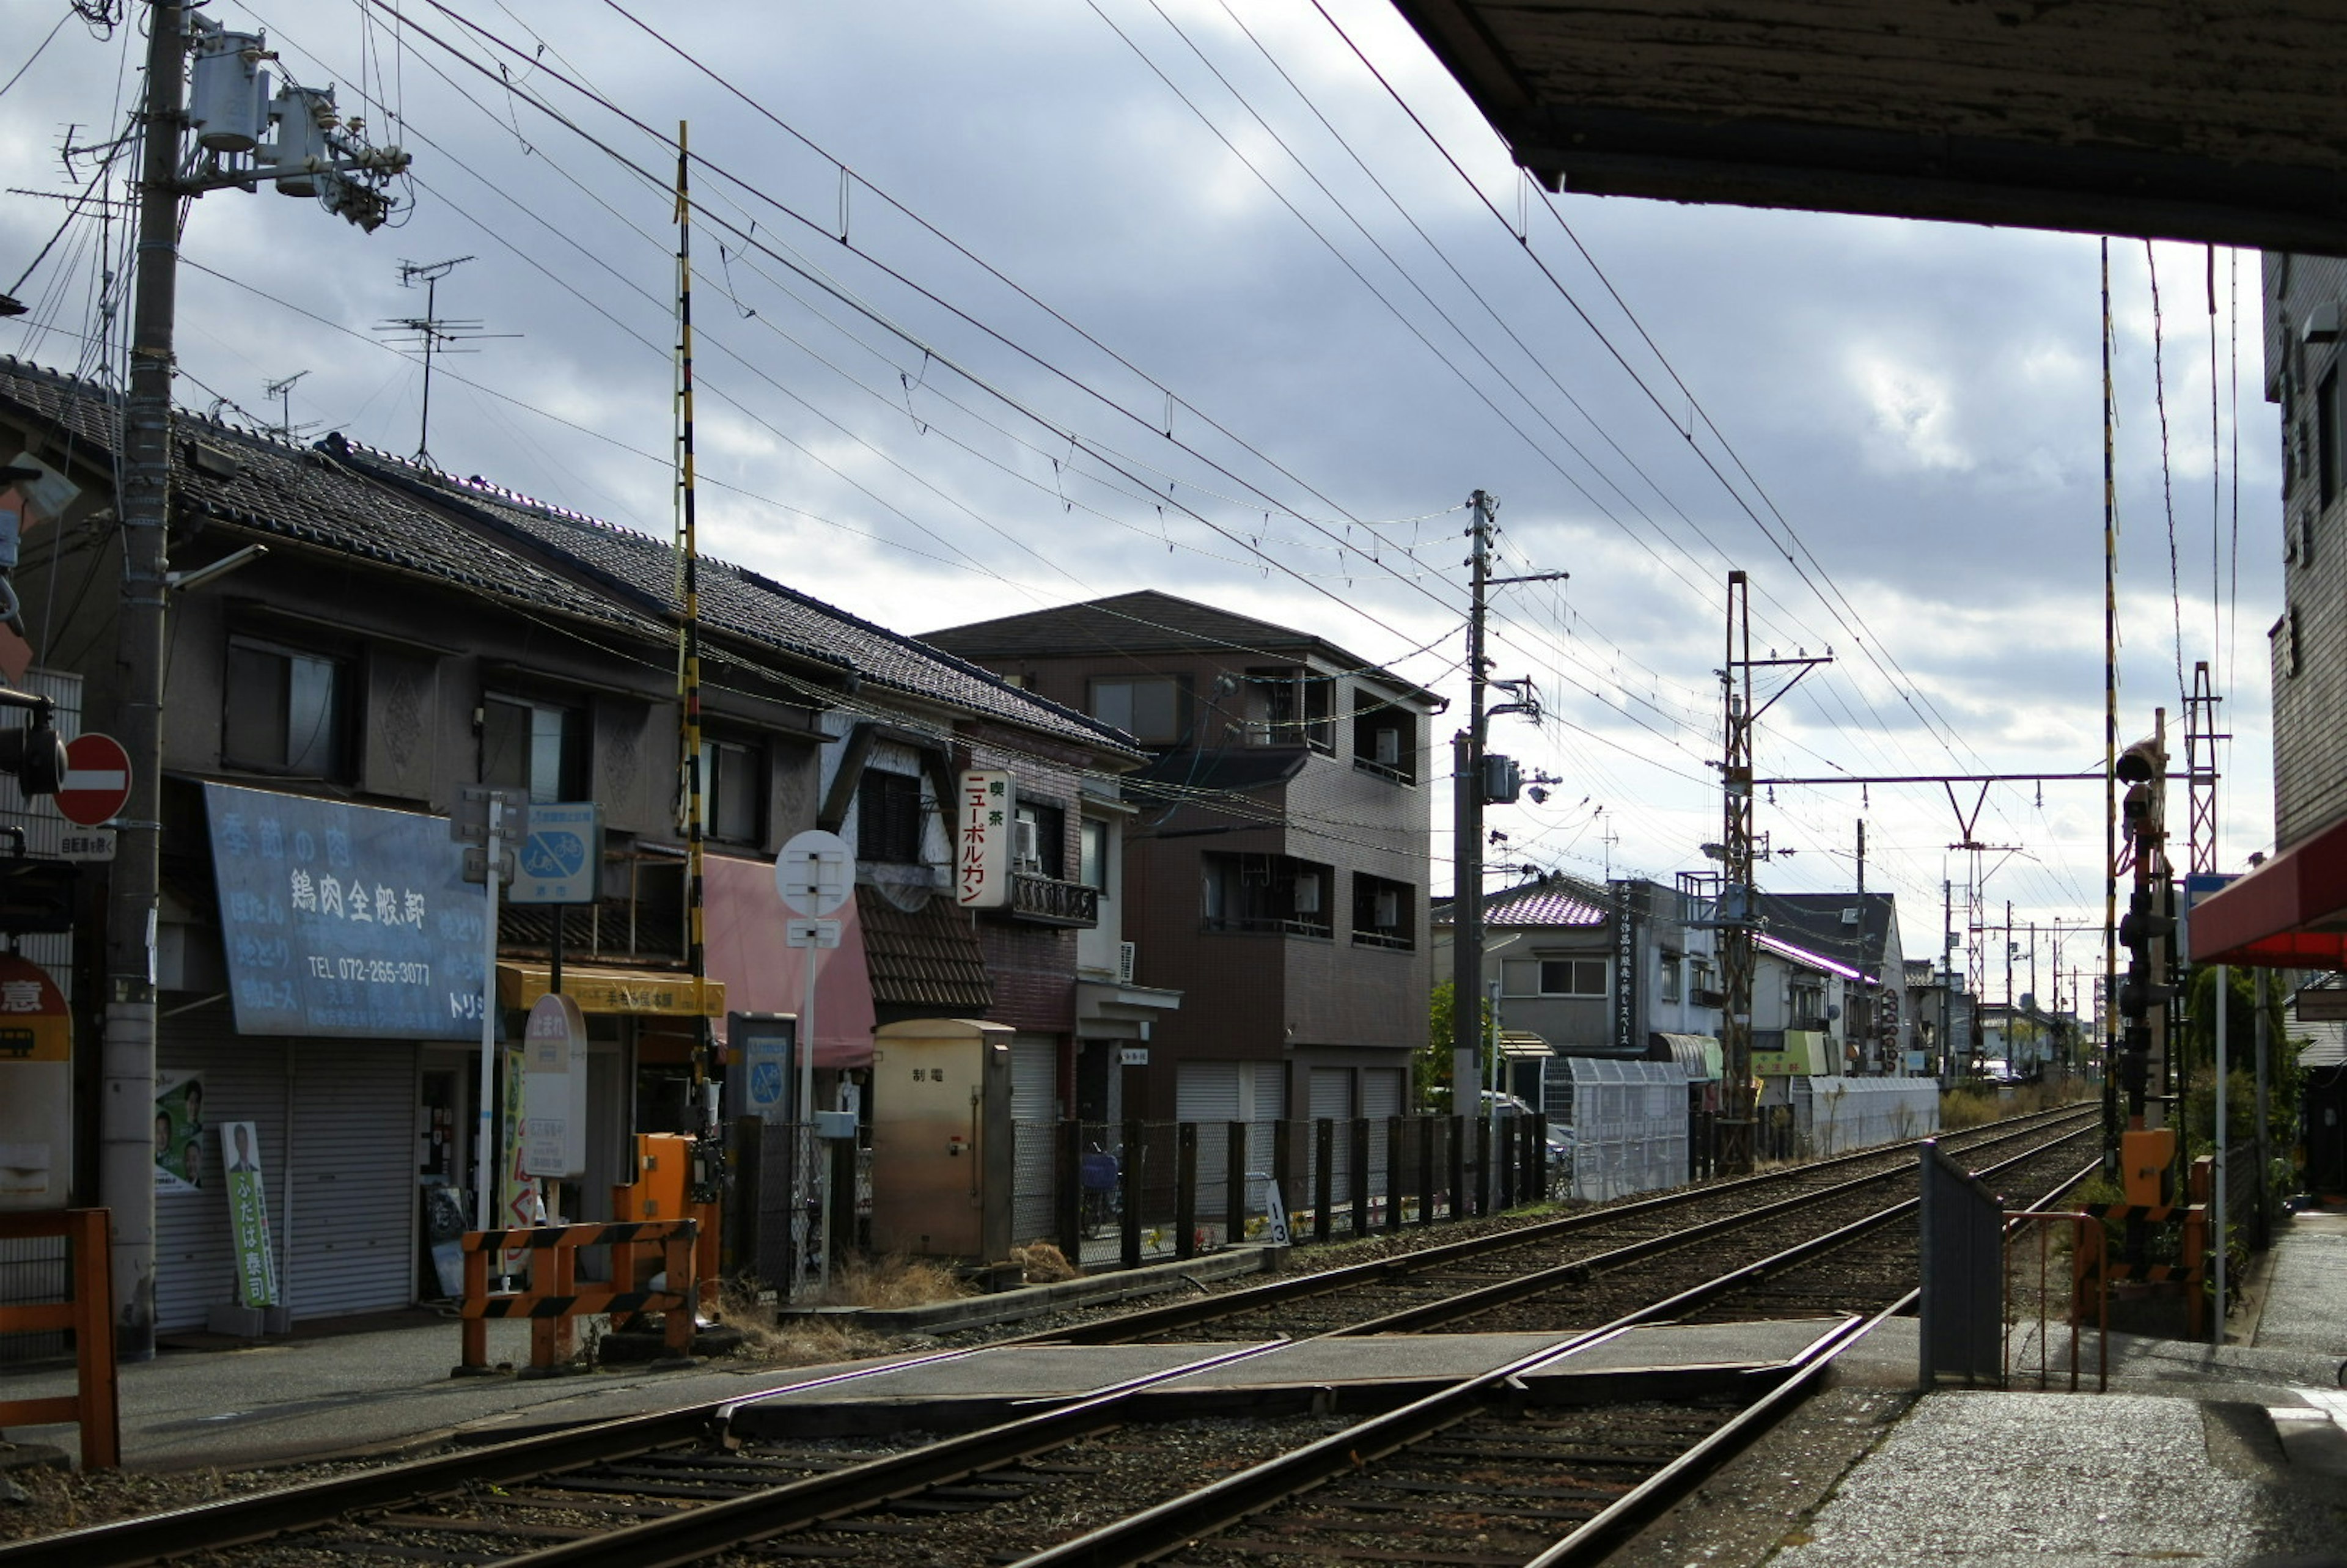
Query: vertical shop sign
x,y
984,825
248,1215
516,1191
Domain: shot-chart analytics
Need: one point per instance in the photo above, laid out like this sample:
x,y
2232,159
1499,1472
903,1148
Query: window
x,y
540,747
1385,738
285,712
1572,977
1042,843
888,817
1091,862
732,791
1703,981
2326,435
1152,711
1385,913
1808,1005
1670,977
1269,893
1292,706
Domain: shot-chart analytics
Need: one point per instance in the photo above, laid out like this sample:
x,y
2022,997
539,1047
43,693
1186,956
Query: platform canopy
x,y
2220,122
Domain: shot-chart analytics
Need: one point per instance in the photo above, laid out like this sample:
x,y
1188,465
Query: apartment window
x,y
534,746
1042,835
2326,434
286,712
1572,977
1267,893
1091,861
1809,1006
1704,983
1385,913
732,791
1385,738
1152,710
888,817
1293,707
1670,977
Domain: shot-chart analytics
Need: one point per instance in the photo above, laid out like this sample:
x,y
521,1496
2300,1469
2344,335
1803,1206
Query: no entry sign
x,y
97,780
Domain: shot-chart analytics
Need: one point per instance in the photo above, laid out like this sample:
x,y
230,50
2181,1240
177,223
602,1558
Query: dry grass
x,y
805,1342
1970,1106
1041,1263
892,1281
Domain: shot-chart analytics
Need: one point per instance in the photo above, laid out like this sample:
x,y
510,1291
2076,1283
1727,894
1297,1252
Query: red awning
x,y
2289,913
764,974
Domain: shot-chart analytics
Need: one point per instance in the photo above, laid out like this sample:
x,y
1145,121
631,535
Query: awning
x,y
764,973
1699,1053
2289,913
1522,1045
653,993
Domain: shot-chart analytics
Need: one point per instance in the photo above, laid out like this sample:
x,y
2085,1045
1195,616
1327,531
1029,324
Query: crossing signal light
x,y
34,753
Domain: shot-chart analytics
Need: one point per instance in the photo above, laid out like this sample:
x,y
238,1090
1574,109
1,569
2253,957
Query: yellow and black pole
x,y
709,1155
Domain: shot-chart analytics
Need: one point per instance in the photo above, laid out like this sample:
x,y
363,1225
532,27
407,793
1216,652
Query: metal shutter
x,y
1034,1106
351,1244
1380,1098
244,1081
1331,1091
1206,1092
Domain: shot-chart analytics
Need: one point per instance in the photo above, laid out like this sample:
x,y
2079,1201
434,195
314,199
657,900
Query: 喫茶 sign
x,y
985,820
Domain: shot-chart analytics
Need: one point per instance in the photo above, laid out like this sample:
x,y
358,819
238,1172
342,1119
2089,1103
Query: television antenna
x,y
433,333
282,391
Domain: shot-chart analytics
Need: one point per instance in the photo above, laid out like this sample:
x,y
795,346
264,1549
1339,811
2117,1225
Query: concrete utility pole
x,y
312,157
126,1173
1470,792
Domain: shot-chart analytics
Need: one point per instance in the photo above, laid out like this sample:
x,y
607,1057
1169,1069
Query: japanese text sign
x,y
985,816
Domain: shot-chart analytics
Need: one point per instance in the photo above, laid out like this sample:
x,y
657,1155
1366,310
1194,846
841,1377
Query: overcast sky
x,y
1132,296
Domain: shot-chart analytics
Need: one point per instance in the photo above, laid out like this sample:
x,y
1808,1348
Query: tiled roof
x,y
745,604
1539,905
275,488
1814,921
1146,621
924,958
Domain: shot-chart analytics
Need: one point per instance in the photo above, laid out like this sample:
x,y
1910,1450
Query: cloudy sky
x,y
1126,293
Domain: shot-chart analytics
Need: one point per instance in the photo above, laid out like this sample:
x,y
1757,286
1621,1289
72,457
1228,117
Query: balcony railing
x,y
1047,901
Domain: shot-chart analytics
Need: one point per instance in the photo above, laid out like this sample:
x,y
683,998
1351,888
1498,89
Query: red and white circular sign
x,y
97,780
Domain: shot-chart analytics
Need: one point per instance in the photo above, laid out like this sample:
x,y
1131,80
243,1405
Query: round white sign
x,y
816,873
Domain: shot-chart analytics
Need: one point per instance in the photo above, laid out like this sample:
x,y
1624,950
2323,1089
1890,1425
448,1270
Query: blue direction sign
x,y
561,860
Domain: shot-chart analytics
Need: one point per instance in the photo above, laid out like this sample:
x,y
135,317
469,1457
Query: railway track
x,y
664,1488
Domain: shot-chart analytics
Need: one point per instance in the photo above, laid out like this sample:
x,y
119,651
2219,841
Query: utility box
x,y
35,1089
941,1165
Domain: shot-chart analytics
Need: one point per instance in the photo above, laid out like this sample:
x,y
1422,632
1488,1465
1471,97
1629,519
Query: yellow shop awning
x,y
658,993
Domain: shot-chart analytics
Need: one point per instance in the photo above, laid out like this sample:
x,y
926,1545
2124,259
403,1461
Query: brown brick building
x,y
1276,870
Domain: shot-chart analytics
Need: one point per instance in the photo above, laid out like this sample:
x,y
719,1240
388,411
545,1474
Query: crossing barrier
x,y
89,1314
555,1298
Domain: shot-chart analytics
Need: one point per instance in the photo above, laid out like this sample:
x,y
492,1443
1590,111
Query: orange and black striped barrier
x,y
554,1297
88,1315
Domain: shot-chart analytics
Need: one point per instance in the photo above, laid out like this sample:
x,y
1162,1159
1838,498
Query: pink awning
x,y
764,974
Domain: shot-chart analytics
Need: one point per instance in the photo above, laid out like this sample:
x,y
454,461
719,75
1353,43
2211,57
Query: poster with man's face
x,y
178,1131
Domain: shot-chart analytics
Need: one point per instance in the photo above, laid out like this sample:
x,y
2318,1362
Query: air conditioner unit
x,y
1124,963
1388,748
1388,905
1023,845
1849,916
1307,893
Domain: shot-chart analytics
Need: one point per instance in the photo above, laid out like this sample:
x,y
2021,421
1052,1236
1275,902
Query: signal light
x,y
35,754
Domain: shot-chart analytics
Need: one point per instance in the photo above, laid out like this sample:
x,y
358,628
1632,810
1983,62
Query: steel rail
x,y
258,1516
1651,1498
1140,1536
699,1533
1190,1313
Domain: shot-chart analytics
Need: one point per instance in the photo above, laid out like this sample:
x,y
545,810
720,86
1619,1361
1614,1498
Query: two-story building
x,y
1861,931
320,962
1276,866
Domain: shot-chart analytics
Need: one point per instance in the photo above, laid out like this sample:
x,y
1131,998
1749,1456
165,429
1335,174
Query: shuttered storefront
x,y
1331,1088
1034,1107
1380,1100
349,1244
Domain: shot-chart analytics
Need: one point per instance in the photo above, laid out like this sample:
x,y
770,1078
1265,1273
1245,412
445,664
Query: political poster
x,y
248,1215
178,1131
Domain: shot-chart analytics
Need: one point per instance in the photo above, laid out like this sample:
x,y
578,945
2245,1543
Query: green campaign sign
x,y
248,1215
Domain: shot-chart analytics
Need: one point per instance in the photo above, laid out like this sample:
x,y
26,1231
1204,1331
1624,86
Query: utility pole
x,y
1470,789
1866,1026
1738,916
2200,737
1947,977
311,155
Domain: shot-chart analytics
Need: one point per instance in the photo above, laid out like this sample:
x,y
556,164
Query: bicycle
x,y
1101,1175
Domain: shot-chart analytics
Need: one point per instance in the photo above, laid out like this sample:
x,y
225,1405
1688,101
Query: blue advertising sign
x,y
342,919
561,860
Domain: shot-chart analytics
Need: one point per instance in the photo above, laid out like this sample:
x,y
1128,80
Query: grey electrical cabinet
x,y
941,1139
